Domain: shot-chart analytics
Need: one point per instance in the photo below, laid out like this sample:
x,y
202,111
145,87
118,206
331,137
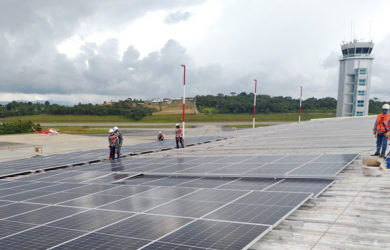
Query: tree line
x,y
17,127
129,108
243,103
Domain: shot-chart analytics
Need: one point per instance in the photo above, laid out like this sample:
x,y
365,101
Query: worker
x,y
160,136
119,142
381,129
112,140
179,136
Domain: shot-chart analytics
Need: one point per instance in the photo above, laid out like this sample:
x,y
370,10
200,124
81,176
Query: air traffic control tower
x,y
354,78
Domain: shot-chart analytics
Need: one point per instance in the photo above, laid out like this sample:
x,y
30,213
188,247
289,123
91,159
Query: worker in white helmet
x,y
179,136
119,141
381,129
112,141
160,136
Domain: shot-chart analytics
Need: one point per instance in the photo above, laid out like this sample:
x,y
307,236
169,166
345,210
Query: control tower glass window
x,y
360,103
363,71
362,82
359,113
361,92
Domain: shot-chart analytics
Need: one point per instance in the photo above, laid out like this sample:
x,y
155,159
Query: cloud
x,y
282,48
177,17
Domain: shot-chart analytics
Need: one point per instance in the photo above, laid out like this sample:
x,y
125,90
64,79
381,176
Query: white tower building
x,y
354,78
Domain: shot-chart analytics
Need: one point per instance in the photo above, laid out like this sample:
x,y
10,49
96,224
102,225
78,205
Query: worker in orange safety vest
x,y
179,136
381,129
112,141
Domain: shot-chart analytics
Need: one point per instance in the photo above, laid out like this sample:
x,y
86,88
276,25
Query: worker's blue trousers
x,y
381,142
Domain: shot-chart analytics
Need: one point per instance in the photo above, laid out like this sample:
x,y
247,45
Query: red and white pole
x,y
300,105
254,106
184,98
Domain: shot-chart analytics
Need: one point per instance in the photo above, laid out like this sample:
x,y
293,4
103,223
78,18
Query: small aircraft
x,y
47,132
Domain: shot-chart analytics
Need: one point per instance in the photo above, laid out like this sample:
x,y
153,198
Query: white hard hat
x,y
177,124
386,106
111,130
159,132
115,128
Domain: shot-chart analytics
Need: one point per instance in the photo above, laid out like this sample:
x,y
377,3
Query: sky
x,y
93,51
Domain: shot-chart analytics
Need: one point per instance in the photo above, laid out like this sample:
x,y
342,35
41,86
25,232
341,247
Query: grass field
x,y
175,107
168,118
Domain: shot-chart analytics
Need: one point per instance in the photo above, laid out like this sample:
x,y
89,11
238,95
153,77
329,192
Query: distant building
x,y
354,78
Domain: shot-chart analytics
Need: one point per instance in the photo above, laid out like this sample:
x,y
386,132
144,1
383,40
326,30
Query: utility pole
x,y
254,106
300,105
184,97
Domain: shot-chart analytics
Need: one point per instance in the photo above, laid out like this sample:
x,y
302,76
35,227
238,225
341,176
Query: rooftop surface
x,y
351,213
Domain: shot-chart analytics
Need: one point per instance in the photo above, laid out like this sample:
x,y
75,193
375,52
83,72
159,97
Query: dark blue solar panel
x,y
214,235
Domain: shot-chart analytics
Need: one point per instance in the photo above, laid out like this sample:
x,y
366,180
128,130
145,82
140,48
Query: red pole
x,y
254,106
184,97
300,105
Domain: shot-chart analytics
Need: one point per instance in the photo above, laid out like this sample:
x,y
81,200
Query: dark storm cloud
x,y
176,17
30,62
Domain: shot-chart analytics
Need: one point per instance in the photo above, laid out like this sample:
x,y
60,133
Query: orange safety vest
x,y
382,124
178,133
113,139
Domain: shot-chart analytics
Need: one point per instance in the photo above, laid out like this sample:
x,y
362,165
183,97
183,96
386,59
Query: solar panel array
x,y
29,165
161,202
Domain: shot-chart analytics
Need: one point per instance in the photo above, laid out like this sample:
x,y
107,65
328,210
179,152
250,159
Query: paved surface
x,y
22,145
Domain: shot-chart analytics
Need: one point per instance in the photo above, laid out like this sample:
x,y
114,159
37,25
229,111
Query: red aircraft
x,y
46,132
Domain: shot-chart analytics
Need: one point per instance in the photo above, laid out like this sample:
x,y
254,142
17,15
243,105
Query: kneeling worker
x,y
179,136
160,136
381,129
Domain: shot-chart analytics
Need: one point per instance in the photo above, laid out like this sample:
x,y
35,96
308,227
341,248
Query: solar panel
x,y
249,184
11,227
135,204
301,185
336,158
103,241
32,239
125,190
274,198
171,181
90,189
91,220
213,235
237,169
215,195
55,198
186,208
296,158
36,185
62,187
317,169
91,201
45,215
207,182
24,195
273,169
250,213
169,246
167,192
149,227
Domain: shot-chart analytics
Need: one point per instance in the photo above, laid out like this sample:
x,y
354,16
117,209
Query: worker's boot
x,y
382,155
376,154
